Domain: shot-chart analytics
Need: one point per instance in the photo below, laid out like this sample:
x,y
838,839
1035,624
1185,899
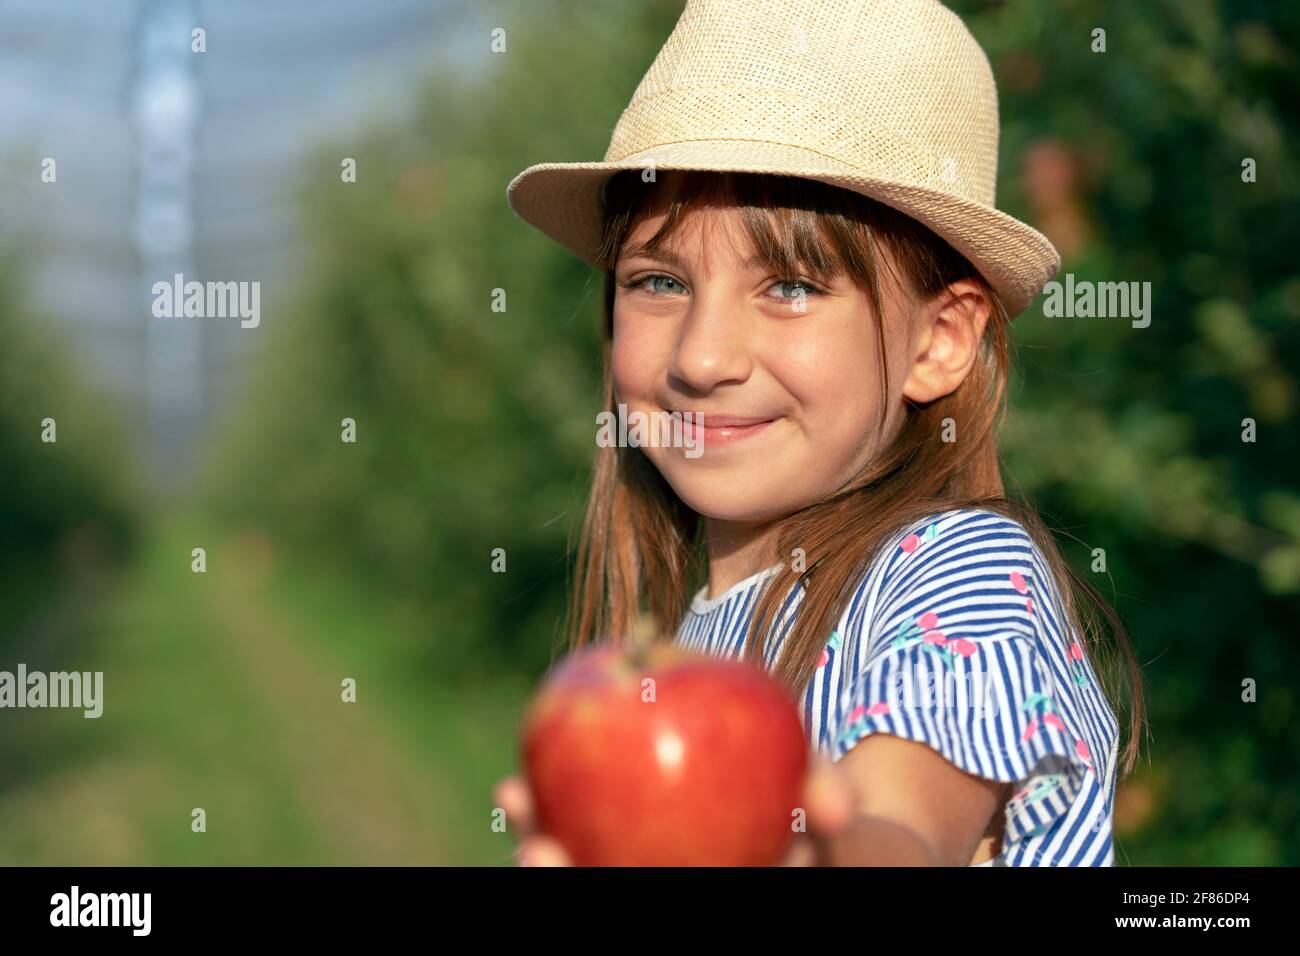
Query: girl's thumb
x,y
829,795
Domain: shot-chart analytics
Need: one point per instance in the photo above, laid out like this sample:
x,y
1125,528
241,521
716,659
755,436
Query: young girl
x,y
796,222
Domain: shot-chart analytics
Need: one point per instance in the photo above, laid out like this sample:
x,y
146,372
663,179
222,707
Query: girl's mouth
x,y
714,430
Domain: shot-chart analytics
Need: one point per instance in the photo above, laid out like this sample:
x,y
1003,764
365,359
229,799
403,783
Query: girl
x,y
797,229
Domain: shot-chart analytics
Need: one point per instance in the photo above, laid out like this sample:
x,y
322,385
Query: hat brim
x,y
563,200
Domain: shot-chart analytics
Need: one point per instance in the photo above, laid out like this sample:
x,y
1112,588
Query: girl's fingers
x,y
512,796
828,801
542,851
829,798
801,853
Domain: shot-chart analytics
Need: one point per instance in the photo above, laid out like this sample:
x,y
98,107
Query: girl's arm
x,y
914,808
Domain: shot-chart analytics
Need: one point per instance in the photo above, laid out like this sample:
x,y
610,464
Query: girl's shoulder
x,y
957,637
926,539
974,553
956,583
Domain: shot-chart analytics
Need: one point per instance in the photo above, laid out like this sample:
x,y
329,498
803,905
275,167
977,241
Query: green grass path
x,y
223,691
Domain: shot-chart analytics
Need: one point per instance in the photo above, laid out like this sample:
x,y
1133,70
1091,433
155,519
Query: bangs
x,y
794,226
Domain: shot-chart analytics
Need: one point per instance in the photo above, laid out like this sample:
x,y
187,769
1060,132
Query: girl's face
x,y
784,373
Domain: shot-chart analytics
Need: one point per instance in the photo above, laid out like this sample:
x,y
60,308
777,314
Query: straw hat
x,y
893,99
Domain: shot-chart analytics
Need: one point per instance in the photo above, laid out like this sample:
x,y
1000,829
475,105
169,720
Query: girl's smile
x,y
716,429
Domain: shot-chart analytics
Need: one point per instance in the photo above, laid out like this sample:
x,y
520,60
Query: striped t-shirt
x,y
955,637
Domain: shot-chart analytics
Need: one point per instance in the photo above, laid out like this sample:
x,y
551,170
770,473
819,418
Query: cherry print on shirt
x,y
926,629
857,718
1050,718
831,645
1041,787
862,710
1018,582
1076,657
1081,748
913,541
1034,701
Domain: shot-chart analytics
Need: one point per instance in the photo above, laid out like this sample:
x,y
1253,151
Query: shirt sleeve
x,y
952,658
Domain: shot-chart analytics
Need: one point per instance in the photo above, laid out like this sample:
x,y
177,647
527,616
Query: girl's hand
x,y
828,806
512,796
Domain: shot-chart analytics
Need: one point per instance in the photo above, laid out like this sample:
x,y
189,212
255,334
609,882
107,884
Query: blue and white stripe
x,y
969,606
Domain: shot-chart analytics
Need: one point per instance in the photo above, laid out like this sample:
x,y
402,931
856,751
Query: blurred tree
x,y
474,426
66,504
1132,438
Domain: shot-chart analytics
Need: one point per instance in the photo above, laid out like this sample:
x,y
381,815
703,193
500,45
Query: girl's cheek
x,y
622,367
834,379
831,375
635,361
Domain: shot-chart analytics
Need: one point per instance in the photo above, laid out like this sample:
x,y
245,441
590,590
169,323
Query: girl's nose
x,y
712,347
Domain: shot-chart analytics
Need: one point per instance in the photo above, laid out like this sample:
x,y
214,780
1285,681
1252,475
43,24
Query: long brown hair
x,y
641,548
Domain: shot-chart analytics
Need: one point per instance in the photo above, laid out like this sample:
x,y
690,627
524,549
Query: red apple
x,y
660,756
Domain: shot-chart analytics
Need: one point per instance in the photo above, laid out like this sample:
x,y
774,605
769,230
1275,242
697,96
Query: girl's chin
x,y
737,503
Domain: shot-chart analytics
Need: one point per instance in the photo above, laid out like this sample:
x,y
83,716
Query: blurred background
x,y
372,560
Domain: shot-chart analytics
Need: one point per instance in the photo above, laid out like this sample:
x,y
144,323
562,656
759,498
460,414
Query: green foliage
x,y
63,503
1131,439
474,426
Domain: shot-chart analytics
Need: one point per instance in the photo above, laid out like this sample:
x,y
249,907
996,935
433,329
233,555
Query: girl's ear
x,y
946,334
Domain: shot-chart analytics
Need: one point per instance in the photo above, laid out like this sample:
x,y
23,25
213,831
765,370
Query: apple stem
x,y
643,633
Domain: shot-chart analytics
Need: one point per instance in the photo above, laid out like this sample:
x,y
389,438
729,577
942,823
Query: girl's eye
x,y
808,289
651,279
